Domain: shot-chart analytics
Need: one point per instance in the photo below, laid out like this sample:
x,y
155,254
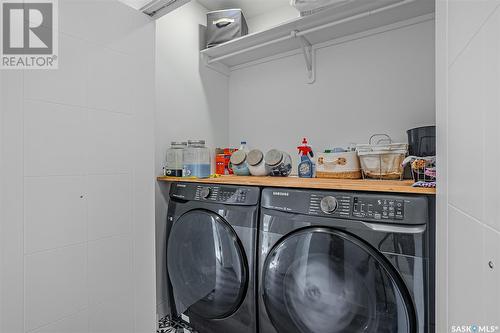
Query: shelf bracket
x,y
218,67
309,56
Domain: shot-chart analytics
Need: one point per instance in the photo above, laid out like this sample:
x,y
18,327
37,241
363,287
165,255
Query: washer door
x,y
206,265
320,280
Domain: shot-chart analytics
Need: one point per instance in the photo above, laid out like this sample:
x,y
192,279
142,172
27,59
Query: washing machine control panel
x,y
378,209
330,204
223,194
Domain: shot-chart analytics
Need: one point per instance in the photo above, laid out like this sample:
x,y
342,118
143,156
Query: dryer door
x,y
206,265
321,280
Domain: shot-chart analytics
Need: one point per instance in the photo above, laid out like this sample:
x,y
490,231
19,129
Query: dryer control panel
x,y
222,194
376,207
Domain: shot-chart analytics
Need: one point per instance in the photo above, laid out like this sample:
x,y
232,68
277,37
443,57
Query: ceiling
x,y
137,4
249,7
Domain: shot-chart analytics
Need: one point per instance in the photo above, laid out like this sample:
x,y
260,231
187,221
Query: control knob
x,y
205,192
328,204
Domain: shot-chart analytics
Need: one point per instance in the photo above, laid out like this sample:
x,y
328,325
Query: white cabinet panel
x,y
65,85
491,75
110,205
491,292
54,139
465,126
55,285
465,18
465,253
55,212
110,263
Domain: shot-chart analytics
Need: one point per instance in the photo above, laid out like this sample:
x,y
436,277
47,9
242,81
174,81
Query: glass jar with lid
x,y
175,155
196,160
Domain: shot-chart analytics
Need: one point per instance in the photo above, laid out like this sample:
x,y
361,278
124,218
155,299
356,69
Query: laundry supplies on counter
x,y
338,163
174,165
196,160
256,163
279,162
381,158
307,167
239,163
225,25
422,141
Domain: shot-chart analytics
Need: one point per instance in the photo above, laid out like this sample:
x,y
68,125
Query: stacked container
x,y
196,160
175,155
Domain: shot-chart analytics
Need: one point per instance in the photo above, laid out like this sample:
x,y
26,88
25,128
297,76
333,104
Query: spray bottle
x,y
307,168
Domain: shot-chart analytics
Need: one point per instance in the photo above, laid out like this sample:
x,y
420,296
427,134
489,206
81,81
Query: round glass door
x,y
206,265
321,280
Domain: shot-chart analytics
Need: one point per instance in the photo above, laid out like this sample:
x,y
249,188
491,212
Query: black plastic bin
x,y
422,141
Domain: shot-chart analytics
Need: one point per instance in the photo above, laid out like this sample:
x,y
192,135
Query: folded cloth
x,y
307,7
425,184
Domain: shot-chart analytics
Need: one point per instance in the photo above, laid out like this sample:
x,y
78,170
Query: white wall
x,y
77,189
468,195
192,103
383,83
271,18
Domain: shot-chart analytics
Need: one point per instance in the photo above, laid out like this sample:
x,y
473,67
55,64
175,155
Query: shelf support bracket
x,y
218,67
309,56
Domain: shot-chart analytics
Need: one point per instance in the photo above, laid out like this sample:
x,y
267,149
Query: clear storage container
x,y
196,160
174,165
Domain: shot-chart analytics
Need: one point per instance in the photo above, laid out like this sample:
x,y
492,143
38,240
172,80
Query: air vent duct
x,y
157,8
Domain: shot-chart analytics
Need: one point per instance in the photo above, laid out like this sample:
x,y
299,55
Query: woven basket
x,y
339,175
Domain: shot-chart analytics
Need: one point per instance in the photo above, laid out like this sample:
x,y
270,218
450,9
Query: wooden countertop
x,y
393,186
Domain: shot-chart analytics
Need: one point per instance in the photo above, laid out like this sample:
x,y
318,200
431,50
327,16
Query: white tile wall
x,y
77,323
12,196
109,142
110,80
109,318
79,148
110,269
55,139
55,285
64,85
109,205
55,212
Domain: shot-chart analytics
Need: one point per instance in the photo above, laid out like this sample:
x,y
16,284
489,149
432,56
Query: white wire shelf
x,y
353,17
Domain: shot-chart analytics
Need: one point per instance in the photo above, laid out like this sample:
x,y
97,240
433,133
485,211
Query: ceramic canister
x,y
256,164
239,163
279,162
